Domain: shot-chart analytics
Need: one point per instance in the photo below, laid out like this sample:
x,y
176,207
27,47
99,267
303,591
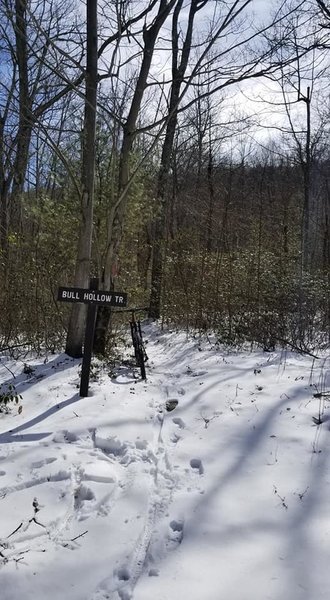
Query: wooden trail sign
x,y
93,297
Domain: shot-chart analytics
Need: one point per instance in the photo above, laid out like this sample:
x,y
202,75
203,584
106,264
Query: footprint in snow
x,y
197,465
198,373
171,404
123,574
111,445
65,437
175,535
141,444
179,422
176,526
40,463
82,495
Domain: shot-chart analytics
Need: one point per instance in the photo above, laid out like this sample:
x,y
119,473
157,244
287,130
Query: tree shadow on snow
x,y
295,531
15,435
40,371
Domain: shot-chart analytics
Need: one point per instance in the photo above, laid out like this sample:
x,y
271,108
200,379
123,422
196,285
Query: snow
x,y
226,496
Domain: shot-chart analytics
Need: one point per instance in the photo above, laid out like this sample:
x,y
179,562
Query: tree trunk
x,y
179,67
306,220
118,211
76,329
25,121
4,221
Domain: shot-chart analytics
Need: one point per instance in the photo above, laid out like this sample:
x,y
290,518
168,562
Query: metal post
x,y
88,344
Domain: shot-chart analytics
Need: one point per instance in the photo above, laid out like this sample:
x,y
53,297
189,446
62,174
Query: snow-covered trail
x,y
115,497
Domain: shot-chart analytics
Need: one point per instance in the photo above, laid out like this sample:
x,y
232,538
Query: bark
x,y
25,122
76,329
306,229
211,202
4,201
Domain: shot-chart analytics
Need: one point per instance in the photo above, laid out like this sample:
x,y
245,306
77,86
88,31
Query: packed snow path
x,y
226,496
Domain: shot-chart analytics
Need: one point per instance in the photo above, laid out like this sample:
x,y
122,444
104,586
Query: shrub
x,y
8,394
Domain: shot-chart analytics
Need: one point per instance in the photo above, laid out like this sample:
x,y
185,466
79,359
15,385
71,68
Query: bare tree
x,y
219,66
325,10
82,274
116,217
180,61
299,82
221,69
38,73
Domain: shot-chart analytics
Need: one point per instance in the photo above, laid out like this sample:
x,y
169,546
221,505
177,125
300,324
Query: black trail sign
x,y
87,296
93,297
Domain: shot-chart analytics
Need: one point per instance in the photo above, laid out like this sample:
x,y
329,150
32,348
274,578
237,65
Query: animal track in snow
x,y
197,465
2,473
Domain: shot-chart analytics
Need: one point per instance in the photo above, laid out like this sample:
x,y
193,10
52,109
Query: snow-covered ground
x,y
225,497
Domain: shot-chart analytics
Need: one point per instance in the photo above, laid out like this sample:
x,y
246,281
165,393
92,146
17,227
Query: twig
x,y
10,371
37,522
33,519
297,349
79,536
302,494
15,530
284,504
16,346
207,420
17,560
5,559
75,538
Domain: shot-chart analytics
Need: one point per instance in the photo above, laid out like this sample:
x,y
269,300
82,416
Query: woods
x,y
178,151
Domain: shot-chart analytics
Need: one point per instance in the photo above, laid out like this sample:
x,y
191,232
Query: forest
x,y
177,150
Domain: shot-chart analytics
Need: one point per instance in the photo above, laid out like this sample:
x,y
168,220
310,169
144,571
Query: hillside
x,y
114,496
